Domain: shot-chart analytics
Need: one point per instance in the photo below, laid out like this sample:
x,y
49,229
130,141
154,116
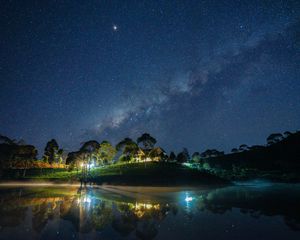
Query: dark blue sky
x,y
195,74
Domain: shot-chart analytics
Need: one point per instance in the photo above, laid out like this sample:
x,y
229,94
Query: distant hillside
x,y
282,155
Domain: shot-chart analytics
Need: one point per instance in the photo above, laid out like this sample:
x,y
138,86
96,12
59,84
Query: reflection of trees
x,y
255,202
11,217
125,223
147,230
11,214
84,211
40,216
102,215
88,212
142,218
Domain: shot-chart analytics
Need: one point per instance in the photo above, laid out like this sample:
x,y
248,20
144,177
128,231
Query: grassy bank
x,y
152,174
168,174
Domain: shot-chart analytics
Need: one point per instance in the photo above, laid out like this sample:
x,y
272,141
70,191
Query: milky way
x,y
195,74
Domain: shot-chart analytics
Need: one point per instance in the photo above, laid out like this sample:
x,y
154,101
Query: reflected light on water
x,y
94,214
140,209
188,199
84,199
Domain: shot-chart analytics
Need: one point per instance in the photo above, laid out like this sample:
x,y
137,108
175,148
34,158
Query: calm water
x,y
255,211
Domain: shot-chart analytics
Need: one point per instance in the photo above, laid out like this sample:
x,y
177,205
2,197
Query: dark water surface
x,y
255,211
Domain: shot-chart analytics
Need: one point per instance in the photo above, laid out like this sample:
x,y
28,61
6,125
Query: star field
x,y
195,74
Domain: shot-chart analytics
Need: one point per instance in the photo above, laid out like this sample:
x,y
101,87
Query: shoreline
x,y
111,187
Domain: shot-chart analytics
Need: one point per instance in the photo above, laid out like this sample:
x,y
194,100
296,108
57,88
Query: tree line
x,y
18,154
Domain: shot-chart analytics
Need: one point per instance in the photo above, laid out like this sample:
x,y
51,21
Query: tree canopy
x,y
128,147
106,152
147,140
52,152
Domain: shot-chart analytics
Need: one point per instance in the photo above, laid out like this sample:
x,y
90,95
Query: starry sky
x,y
195,74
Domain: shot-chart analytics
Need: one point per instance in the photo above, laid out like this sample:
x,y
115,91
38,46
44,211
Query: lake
x,y
253,210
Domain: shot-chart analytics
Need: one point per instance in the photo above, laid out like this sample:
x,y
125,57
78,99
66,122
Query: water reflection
x,y
50,213
279,200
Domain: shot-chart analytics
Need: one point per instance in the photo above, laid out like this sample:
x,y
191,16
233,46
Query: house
x,y
156,154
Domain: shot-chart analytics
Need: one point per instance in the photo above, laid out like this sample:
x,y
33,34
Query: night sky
x,y
195,74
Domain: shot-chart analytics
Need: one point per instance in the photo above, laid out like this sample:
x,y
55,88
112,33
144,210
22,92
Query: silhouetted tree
x,y
50,152
148,230
287,133
211,153
256,147
21,142
147,140
274,138
243,147
24,156
7,140
172,157
234,150
183,156
14,155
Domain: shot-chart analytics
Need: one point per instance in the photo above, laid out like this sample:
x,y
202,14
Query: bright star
x,y
115,27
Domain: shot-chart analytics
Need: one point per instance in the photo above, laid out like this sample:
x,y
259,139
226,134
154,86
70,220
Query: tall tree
x,y
90,150
128,147
50,152
147,140
106,152
183,156
74,159
172,156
